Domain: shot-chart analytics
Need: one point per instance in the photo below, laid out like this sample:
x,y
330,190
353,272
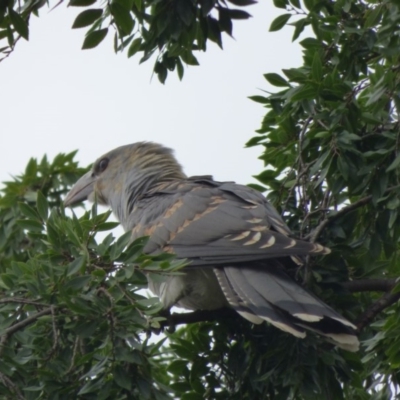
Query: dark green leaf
x,y
238,14
180,69
276,79
394,164
86,18
134,47
279,22
77,282
185,11
20,25
317,67
189,58
28,211
377,93
75,265
81,3
93,39
122,18
259,99
122,378
299,27
30,225
42,206
281,3
304,92
243,2
374,15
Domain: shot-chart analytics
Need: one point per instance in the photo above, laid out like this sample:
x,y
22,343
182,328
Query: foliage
x,y
331,147
72,322
173,30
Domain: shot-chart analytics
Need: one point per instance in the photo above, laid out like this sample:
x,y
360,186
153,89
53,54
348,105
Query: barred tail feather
x,y
266,293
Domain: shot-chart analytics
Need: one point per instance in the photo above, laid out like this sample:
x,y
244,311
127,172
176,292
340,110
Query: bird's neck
x,y
138,184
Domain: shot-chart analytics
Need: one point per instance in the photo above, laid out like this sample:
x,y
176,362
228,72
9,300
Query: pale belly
x,y
197,289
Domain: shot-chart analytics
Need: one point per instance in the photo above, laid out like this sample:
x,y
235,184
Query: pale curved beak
x,y
81,190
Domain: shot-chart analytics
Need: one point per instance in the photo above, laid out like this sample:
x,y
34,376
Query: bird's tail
x,y
266,293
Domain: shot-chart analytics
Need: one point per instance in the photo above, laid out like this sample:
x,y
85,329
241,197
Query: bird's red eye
x,y
102,165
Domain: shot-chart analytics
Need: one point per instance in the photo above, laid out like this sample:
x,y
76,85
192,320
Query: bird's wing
x,y
214,223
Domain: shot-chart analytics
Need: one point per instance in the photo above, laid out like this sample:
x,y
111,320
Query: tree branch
x,y
10,385
198,316
312,236
385,301
22,301
370,285
20,325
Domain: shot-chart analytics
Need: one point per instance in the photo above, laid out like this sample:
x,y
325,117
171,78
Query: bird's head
x,y
119,177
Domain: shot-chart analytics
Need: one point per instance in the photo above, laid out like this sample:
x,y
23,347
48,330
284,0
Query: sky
x,y
57,98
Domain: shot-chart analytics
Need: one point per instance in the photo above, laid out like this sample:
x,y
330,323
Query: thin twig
x,y
20,325
385,301
74,352
22,301
9,384
55,334
313,236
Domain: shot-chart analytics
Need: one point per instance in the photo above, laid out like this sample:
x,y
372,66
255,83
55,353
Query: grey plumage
x,y
233,237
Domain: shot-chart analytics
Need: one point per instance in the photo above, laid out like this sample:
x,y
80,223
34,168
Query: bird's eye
x,y
102,165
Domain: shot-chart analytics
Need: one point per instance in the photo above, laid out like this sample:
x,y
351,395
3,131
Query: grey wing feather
x,y
216,223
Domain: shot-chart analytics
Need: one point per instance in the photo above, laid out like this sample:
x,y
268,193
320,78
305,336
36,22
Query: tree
x,y
72,322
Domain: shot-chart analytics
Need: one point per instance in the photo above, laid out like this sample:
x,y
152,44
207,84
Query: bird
x,y
234,240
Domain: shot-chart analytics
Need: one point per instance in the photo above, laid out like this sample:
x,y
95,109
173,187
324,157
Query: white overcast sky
x,y
57,98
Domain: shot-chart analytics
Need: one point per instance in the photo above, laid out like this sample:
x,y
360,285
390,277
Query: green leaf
x,y
77,282
134,47
276,79
299,27
189,58
281,3
122,378
279,22
316,67
374,15
30,225
93,39
296,3
238,14
304,92
42,206
117,248
394,164
87,17
106,226
122,18
76,265
376,94
179,68
81,3
259,99
20,25
243,3
28,211
185,11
